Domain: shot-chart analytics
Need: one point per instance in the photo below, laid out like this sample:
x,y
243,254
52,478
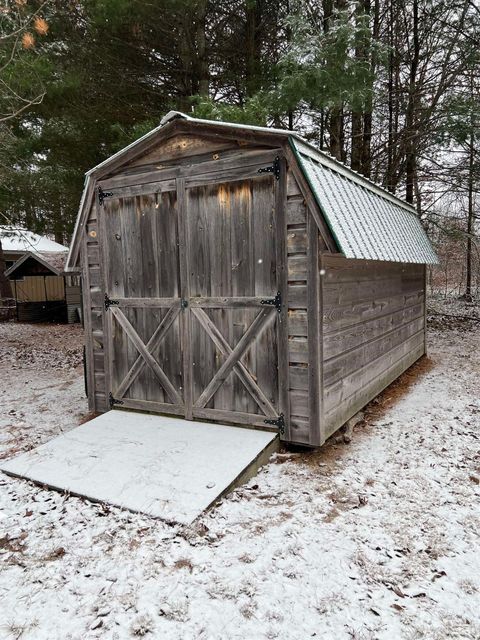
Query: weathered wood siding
x,y
93,314
348,328
373,329
210,162
296,220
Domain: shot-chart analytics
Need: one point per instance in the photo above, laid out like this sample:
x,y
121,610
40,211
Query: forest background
x,y
389,87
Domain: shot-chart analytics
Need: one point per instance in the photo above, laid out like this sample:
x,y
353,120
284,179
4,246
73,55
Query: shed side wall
x,y
373,330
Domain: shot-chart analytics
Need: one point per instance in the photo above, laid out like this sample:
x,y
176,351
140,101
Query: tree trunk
x,y
411,113
388,175
359,140
185,86
202,60
252,47
470,219
288,34
335,119
335,130
368,115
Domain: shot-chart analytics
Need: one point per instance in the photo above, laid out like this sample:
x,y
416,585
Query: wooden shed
x,y
238,275
43,291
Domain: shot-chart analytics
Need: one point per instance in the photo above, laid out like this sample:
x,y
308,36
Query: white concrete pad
x,y
166,467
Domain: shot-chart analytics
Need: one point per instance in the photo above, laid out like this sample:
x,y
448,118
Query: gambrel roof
x,y
366,221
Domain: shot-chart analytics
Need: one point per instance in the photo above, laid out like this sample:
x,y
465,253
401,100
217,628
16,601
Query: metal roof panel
x,y
367,222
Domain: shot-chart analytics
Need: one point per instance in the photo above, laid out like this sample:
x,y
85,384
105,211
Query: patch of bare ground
x,y
398,389
56,346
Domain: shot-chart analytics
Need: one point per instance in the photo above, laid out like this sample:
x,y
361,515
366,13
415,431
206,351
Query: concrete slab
x,y
165,467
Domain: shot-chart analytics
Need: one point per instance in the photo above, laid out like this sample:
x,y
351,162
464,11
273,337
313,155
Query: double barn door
x,y
193,297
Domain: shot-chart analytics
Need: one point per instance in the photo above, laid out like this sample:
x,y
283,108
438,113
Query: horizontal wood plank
x,y
297,296
143,303
340,391
297,322
298,350
340,366
298,376
237,417
297,241
231,168
229,303
299,405
296,211
337,342
297,268
336,318
346,408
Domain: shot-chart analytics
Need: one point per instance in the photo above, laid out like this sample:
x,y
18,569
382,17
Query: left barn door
x,y
143,303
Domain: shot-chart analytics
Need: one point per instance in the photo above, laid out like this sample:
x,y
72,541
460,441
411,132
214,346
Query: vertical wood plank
x,y
186,319
130,213
87,324
220,212
282,282
264,266
243,284
314,358
321,337
425,310
198,232
115,287
106,318
150,284
169,282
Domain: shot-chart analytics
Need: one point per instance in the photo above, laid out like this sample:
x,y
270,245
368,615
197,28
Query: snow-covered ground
x,y
376,539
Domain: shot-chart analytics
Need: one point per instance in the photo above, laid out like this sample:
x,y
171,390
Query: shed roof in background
x,y
38,263
19,239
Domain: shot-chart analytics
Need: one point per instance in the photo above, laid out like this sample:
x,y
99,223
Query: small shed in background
x,y
43,291
237,274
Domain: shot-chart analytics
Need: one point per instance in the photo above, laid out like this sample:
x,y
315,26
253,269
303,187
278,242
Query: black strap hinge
x,y
112,401
274,168
274,302
277,422
103,194
108,302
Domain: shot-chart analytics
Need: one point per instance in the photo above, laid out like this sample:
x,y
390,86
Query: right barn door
x,y
234,306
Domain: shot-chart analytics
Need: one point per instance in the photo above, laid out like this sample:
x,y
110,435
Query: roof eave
x,y
27,256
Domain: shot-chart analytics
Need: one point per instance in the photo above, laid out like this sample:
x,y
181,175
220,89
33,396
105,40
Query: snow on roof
x,y
16,238
367,222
